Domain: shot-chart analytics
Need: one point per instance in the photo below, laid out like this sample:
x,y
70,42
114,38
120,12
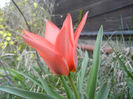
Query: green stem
x,y
73,87
65,86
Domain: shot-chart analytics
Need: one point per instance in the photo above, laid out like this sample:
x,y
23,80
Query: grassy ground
x,y
111,71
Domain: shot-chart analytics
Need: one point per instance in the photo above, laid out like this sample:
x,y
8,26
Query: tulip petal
x,y
55,61
64,47
75,59
51,32
69,28
79,28
36,37
57,64
33,36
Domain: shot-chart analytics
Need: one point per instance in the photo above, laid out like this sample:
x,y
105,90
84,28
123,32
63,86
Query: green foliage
x,y
81,73
25,94
122,64
122,67
130,86
92,77
79,17
67,88
48,90
103,91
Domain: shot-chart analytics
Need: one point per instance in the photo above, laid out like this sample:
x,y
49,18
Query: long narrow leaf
x,y
24,93
122,64
92,79
30,78
130,86
82,71
67,88
48,89
15,77
103,92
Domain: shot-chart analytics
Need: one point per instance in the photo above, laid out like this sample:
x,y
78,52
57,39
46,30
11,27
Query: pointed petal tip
x,y
68,15
25,31
80,27
87,12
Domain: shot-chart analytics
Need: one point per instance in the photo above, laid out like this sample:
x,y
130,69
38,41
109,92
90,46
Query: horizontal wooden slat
x,y
114,21
106,12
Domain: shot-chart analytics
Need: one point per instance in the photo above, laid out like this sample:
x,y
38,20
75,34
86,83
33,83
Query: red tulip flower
x,y
58,48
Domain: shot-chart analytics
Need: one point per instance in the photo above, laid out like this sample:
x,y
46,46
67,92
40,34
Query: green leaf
x,y
67,88
130,86
15,77
103,92
24,93
92,79
130,83
15,74
30,78
81,73
122,64
48,89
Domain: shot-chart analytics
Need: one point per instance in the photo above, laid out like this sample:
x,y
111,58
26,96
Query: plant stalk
x,y
65,86
73,86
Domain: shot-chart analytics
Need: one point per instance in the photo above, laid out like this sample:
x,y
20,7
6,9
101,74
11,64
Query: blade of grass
x,y
48,90
122,28
81,73
15,77
122,63
125,67
92,78
67,88
130,42
73,86
130,86
30,78
103,92
24,93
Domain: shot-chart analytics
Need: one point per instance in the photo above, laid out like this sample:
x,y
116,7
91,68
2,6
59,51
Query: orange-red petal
x,y
57,64
55,61
37,38
69,28
51,32
79,28
64,47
